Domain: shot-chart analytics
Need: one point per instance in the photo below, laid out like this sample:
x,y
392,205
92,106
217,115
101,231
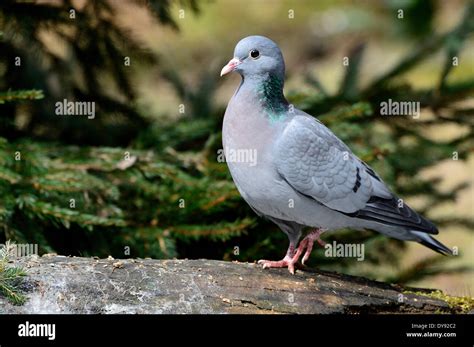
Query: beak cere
x,y
231,65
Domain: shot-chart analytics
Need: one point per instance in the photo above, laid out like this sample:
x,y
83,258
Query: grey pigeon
x,y
292,170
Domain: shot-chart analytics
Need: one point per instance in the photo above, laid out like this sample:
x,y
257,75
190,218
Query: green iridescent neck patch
x,y
270,93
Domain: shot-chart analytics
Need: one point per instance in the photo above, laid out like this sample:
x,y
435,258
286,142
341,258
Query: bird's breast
x,y
248,136
248,140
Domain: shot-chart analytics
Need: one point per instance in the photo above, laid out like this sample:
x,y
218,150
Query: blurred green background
x,y
142,179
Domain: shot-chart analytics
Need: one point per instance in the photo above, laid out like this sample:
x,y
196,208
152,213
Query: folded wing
x,y
319,165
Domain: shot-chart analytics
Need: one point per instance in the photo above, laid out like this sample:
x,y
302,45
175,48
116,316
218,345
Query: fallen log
x,y
59,284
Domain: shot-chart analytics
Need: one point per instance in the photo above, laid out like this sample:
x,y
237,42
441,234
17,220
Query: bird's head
x,y
255,56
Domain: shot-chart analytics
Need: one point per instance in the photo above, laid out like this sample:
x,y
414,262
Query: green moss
x,y
461,304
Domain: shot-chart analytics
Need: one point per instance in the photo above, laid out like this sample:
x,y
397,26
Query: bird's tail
x,y
430,242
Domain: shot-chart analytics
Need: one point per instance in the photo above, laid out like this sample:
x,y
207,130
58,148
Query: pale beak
x,y
231,65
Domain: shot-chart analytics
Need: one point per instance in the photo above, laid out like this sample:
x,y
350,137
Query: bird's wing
x,y
319,165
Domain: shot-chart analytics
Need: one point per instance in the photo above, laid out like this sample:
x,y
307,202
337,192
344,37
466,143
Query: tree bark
x,y
59,284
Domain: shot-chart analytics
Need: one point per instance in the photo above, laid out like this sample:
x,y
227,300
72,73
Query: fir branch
x,y
10,277
20,95
65,216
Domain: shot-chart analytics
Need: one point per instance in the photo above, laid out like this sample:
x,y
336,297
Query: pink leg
x,y
308,243
292,257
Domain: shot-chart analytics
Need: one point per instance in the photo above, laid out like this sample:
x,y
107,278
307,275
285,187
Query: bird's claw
x,y
309,248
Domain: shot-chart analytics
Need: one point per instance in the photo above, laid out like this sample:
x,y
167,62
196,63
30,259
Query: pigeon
x,y
292,170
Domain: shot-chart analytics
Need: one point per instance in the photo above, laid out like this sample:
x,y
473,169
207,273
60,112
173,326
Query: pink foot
x,y
291,260
288,262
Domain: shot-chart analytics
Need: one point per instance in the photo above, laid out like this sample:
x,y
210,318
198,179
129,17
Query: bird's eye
x,y
254,54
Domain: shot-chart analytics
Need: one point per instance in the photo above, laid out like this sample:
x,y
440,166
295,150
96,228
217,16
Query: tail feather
x,y
431,242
